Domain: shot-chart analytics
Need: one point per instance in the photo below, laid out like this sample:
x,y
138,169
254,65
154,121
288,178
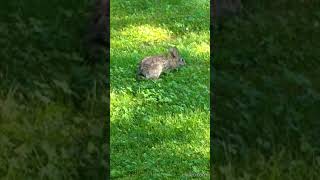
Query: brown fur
x,y
152,67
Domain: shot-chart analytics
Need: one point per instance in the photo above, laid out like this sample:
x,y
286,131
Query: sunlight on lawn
x,y
121,106
202,48
146,33
135,42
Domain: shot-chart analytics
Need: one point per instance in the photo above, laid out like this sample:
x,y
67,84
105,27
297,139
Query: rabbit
x,y
151,67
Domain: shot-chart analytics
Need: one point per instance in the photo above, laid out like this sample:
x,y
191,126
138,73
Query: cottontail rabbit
x,y
152,67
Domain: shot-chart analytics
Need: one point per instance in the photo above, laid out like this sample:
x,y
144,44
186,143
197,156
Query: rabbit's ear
x,y
174,52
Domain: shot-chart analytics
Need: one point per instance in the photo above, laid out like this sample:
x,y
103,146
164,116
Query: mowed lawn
x,y
160,129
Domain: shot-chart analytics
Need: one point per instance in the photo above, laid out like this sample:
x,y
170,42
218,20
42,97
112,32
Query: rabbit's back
x,y
151,67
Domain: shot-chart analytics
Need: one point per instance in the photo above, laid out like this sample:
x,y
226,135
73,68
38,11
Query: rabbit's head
x,y
175,57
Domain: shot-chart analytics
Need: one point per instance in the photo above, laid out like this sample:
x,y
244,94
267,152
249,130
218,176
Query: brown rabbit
x,y
152,67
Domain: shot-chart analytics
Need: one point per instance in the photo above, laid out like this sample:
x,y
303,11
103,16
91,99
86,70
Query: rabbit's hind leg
x,y
153,75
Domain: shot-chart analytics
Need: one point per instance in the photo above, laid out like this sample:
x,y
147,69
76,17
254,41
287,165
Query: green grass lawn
x,y
52,106
268,92
159,129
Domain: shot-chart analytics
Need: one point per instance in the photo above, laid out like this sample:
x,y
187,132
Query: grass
x,y
52,106
159,129
267,92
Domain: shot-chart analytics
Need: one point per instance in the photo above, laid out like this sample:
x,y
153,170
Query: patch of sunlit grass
x,y
146,33
201,49
121,106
